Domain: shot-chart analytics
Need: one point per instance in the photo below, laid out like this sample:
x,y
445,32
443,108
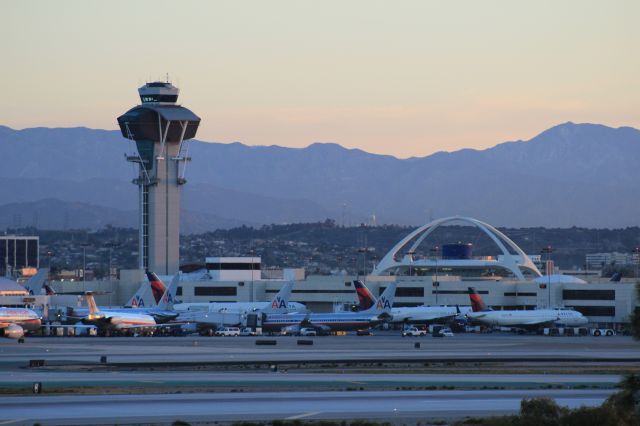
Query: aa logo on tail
x,y
383,303
137,302
278,303
168,298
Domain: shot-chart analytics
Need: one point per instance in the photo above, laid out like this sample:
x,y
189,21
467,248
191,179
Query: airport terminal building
x,y
509,280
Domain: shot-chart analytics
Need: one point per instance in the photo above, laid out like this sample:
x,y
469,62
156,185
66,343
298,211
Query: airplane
x,y
407,315
159,307
206,320
532,319
108,321
337,321
15,322
280,303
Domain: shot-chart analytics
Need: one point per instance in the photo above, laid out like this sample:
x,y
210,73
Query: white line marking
x,y
7,422
303,415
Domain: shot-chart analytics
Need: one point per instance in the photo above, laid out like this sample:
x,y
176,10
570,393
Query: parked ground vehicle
x,y
307,332
228,331
413,331
446,332
602,332
248,332
364,332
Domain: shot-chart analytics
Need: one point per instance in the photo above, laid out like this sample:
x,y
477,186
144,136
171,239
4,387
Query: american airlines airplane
x,y
208,319
109,321
14,322
279,304
338,321
522,319
408,315
159,306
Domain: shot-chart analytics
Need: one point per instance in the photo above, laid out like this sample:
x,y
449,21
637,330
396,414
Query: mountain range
x,y
570,175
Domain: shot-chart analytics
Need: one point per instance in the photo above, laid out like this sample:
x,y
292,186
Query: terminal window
x,y
215,291
405,291
596,311
240,266
589,294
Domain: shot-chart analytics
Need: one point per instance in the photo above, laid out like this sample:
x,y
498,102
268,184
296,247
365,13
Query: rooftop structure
x,y
18,252
457,258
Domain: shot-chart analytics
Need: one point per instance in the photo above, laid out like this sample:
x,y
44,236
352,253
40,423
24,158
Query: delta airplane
x,y
279,304
407,315
522,319
14,322
338,321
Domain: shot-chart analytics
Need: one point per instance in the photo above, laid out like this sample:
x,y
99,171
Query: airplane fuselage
x,y
26,318
422,314
340,321
511,318
234,306
121,320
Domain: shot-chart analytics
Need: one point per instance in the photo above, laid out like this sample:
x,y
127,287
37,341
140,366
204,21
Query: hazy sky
x,y
406,78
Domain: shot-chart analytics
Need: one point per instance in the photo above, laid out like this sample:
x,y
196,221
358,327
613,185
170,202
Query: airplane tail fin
x,y
169,296
477,304
617,277
157,286
385,302
37,281
48,290
365,298
91,303
140,299
280,302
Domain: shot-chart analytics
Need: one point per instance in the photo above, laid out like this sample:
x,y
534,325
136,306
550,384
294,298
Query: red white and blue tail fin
x,y
366,299
477,304
158,288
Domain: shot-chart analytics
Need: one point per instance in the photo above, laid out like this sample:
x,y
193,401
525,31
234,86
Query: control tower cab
x,y
159,128
159,92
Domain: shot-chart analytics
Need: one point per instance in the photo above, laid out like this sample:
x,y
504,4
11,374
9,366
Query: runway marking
x,y
356,383
303,415
7,422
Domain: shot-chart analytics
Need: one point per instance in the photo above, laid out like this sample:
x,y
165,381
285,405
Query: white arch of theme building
x,y
515,264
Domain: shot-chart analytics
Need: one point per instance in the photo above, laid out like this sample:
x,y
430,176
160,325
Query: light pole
x,y
410,253
110,246
436,283
84,264
636,251
548,250
50,254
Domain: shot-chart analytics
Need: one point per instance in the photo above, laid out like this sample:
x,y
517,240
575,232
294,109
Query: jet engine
x,y
13,331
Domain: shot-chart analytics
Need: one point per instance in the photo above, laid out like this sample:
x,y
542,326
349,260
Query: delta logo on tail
x,y
157,286
477,304
365,298
278,303
48,290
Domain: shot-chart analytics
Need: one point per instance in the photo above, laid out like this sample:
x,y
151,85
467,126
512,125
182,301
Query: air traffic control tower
x,y
159,128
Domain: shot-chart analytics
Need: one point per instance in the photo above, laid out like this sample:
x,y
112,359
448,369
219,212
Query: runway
x,y
166,408
265,380
386,346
